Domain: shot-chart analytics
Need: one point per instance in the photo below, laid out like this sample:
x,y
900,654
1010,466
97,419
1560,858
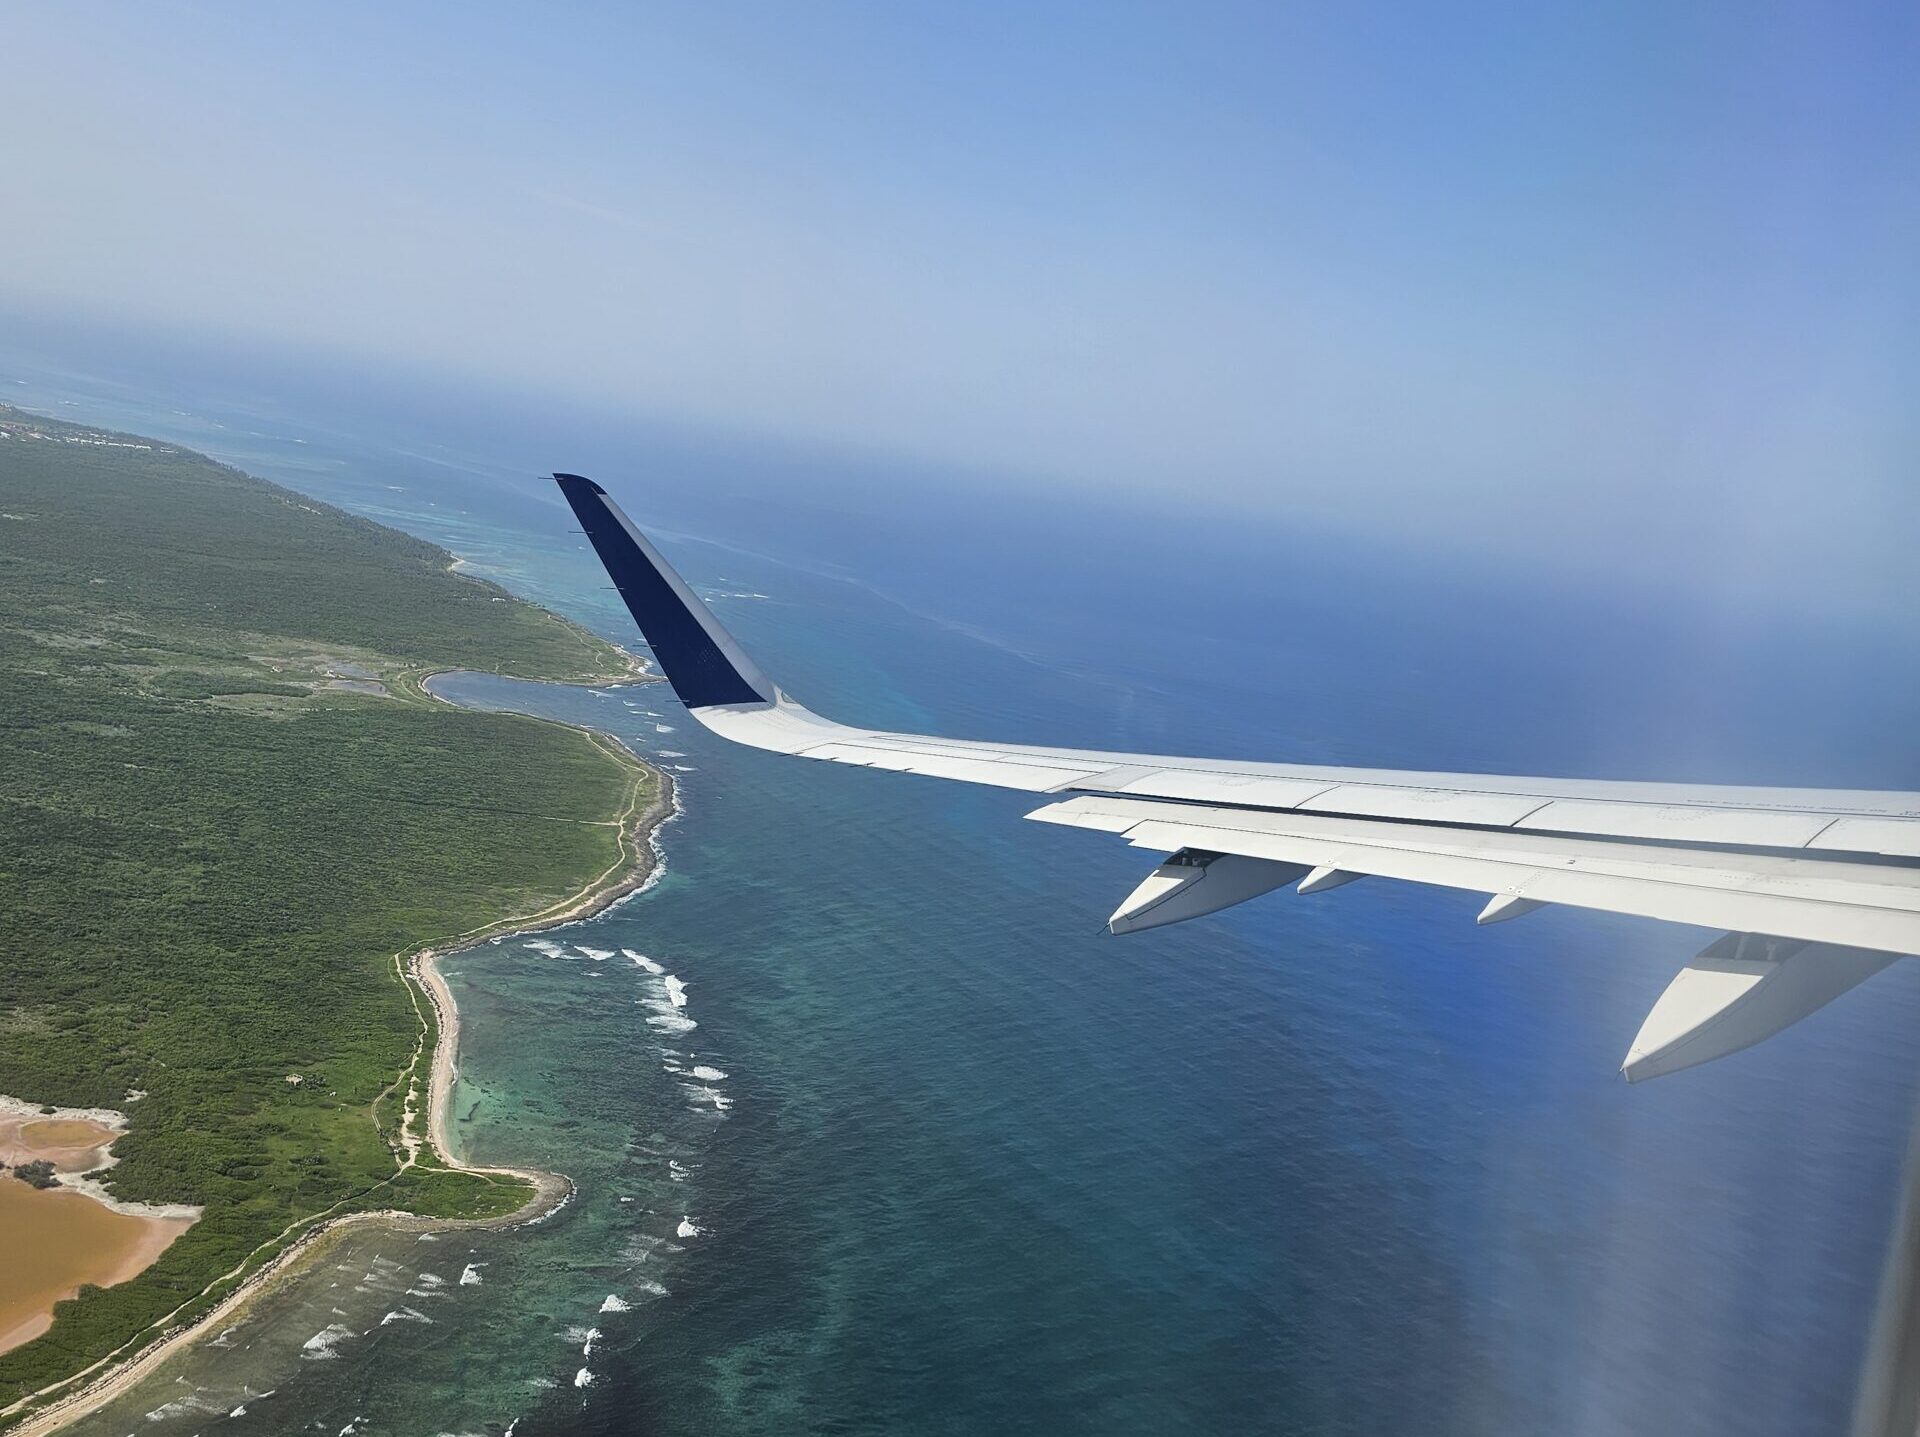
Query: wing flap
x,y
1814,900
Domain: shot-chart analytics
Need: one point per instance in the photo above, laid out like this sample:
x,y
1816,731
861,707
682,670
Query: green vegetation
x,y
35,1174
210,859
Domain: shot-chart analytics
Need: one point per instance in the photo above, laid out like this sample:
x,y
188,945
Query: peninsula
x,y
234,830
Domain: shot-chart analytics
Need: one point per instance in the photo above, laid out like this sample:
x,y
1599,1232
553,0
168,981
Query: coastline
x,y
637,866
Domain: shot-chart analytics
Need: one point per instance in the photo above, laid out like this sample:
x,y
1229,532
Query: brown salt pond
x,y
54,1241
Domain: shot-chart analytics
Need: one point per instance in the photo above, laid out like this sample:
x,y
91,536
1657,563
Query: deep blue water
x,y
1335,1165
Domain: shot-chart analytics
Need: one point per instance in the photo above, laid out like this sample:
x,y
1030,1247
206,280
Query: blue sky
x,y
1601,285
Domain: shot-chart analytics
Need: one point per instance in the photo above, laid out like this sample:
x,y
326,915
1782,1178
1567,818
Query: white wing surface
x,y
1817,889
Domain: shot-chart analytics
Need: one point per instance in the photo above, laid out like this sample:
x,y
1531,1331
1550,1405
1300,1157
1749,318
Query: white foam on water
x,y
615,1304
708,1075
688,1228
405,1314
536,1221
641,960
683,768
192,1402
676,990
319,1347
583,1378
671,1022
670,753
578,1334
640,1247
676,1171
663,728
546,946
698,1095
240,1411
599,955
430,1279
593,1336
426,1237
470,1275
652,1288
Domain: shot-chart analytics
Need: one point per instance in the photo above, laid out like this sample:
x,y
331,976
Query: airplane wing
x,y
1817,889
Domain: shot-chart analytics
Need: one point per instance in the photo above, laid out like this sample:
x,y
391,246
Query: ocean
x,y
876,1131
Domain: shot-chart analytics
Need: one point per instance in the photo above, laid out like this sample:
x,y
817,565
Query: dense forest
x,y
210,852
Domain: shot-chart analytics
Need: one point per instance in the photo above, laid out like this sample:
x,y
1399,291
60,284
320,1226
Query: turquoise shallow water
x,y
1343,1166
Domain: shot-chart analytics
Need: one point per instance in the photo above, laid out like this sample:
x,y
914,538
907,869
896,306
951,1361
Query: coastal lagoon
x,y
875,1131
60,1238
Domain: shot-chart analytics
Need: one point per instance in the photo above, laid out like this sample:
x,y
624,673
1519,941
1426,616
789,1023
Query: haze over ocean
x,y
1341,1165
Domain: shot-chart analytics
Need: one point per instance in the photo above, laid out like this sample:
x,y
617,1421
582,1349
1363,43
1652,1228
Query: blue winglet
x,y
699,657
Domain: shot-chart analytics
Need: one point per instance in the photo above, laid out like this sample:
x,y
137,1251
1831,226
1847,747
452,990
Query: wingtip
x,y
566,481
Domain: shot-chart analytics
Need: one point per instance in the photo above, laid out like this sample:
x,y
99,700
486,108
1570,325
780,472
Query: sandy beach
x,y
633,869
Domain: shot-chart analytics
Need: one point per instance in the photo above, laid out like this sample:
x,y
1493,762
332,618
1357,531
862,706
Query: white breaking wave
x,y
663,728
319,1347
470,1275
583,1378
721,1102
615,1304
708,1075
676,990
192,1402
640,1247
676,1171
645,962
578,1334
593,1336
546,946
670,753
405,1314
652,1288
687,1228
599,955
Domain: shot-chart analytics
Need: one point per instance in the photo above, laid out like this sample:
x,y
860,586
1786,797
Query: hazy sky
x,y
1590,280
